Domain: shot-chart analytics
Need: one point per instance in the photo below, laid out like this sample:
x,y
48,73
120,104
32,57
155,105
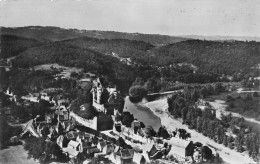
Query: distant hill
x,y
123,47
218,57
89,49
13,45
222,38
58,34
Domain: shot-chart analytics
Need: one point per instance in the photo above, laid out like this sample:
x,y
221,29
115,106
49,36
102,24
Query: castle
x,y
107,99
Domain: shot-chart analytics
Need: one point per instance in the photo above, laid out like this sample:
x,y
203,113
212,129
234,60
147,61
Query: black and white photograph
x,y
129,81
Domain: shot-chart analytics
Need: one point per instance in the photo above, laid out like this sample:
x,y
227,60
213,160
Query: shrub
x,y
230,98
255,94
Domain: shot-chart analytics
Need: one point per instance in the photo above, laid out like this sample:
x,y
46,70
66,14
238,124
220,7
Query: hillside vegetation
x,y
87,59
72,48
13,45
123,47
217,57
57,34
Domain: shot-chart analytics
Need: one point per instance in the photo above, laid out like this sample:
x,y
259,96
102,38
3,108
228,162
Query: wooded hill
x,y
122,47
13,45
57,34
72,48
217,57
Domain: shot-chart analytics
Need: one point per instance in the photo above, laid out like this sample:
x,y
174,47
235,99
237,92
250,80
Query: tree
x,y
150,85
137,91
35,147
104,97
127,120
255,94
230,142
142,125
211,129
225,141
206,153
205,127
38,148
163,133
199,124
45,131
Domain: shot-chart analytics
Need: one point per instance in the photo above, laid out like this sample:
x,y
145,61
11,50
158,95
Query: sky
x,y
170,17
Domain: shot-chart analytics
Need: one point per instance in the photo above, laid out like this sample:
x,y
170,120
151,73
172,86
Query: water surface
x,y
142,113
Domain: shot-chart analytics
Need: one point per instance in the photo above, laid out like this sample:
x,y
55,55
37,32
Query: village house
x,y
123,156
89,74
85,83
181,148
151,151
89,147
63,113
73,149
48,94
32,97
135,125
72,135
9,92
49,117
12,96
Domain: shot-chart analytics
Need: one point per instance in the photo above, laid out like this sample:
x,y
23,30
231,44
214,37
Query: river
x,y
142,113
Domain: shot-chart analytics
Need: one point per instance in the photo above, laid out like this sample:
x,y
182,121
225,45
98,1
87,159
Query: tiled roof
x,y
148,147
125,153
71,152
73,143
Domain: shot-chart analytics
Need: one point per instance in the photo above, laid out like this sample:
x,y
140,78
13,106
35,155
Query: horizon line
x,y
171,35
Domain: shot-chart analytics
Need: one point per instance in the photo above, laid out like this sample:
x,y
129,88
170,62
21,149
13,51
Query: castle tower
x,y
99,93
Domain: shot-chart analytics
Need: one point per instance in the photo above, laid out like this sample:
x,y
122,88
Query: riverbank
x,y
229,156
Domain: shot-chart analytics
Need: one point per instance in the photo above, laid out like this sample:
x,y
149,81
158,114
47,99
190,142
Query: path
x,y
162,93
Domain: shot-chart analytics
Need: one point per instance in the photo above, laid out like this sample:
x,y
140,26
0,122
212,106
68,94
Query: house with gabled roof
x,y
73,149
151,151
126,156
180,147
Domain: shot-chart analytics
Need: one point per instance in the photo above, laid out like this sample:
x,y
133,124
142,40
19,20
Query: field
x,y
244,103
65,73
